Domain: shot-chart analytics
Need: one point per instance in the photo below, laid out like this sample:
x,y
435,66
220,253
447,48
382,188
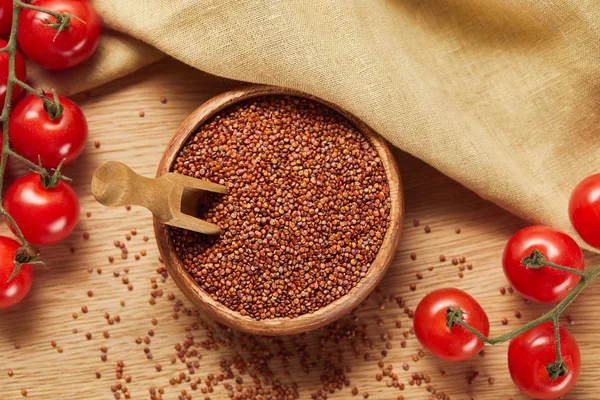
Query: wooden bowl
x,y
285,325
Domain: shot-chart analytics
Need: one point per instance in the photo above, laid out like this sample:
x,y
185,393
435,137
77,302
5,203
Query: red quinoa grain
x,y
307,209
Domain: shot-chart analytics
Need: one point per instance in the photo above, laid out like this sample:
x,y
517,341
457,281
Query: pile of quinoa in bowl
x,y
307,210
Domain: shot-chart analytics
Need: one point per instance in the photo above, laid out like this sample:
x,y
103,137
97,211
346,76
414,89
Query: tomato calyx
x,y
453,315
50,181
557,369
535,260
52,106
23,257
63,21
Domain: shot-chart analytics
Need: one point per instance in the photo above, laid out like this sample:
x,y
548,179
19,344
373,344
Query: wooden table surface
x,y
113,112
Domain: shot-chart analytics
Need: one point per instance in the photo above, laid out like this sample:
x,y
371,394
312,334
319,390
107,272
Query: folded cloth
x,y
502,96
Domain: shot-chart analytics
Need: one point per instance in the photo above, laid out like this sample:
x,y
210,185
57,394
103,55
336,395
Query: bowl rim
x,y
280,325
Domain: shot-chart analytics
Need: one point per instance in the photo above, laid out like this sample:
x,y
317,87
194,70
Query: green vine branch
x,y
52,107
535,260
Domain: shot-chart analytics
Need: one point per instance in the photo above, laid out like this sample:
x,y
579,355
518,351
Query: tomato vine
x,y
535,260
22,254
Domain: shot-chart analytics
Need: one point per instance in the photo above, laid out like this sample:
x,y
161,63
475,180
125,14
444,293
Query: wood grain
x,y
306,322
61,290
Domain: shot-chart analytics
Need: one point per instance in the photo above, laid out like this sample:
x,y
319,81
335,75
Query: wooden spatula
x,y
172,198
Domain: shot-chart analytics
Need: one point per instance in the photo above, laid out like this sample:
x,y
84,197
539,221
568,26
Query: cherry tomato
x,y
584,210
546,285
72,46
20,72
13,291
33,133
451,344
45,216
531,351
6,11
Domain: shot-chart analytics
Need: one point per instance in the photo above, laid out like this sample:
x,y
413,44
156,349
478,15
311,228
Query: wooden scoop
x,y
172,198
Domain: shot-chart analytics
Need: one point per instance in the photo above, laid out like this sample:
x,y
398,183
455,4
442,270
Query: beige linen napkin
x,y
501,95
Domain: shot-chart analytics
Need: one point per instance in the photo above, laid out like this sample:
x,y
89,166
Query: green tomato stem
x,y
563,268
11,50
33,166
558,368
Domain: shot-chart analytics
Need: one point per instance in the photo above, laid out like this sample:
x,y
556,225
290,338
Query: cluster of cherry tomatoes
x,y
531,352
47,130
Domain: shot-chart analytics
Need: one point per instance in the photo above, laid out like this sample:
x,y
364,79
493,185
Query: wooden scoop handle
x,y
114,184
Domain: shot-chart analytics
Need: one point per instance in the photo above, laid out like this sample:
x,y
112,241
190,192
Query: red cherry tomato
x,y
546,285
20,72
73,46
584,210
45,216
6,11
14,291
33,133
530,352
451,344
